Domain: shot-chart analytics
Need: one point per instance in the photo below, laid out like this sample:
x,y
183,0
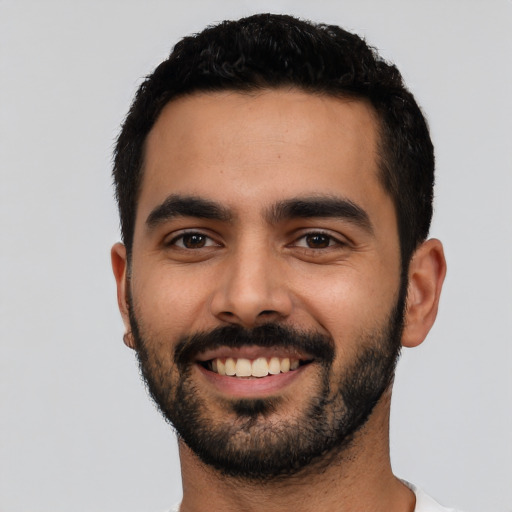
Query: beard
x,y
247,438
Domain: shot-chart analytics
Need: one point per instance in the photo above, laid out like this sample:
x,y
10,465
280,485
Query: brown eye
x,y
318,241
193,241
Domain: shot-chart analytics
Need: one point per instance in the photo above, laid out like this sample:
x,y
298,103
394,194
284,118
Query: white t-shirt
x,y
424,503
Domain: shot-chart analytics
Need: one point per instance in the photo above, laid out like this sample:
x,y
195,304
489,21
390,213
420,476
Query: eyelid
x,y
339,240
171,239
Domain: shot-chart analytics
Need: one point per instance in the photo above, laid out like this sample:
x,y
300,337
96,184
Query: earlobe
x,y
120,268
427,270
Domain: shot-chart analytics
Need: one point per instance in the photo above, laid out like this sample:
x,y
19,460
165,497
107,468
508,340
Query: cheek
x,y
347,302
170,302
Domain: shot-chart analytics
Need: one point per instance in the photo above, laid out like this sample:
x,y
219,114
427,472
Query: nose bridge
x,y
252,288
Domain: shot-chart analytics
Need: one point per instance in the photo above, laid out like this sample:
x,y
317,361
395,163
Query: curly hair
x,y
267,51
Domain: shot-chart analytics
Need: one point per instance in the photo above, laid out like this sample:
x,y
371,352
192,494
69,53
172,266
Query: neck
x,y
359,478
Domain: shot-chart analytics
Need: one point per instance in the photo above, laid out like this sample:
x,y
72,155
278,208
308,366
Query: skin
x,y
248,152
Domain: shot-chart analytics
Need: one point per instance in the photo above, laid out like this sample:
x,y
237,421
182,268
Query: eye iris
x,y
194,241
318,241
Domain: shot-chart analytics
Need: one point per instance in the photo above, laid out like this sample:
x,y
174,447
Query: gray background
x,y
77,431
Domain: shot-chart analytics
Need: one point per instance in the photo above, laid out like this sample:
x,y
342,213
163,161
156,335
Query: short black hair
x,y
268,51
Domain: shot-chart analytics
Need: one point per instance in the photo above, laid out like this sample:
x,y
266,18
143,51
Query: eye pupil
x,y
318,241
194,241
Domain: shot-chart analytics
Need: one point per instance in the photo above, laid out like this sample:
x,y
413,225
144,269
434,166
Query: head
x,y
274,51
274,181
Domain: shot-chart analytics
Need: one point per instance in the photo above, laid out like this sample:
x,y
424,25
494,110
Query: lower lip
x,y
251,387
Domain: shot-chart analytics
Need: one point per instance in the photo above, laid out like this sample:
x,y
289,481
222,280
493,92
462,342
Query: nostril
x,y
267,312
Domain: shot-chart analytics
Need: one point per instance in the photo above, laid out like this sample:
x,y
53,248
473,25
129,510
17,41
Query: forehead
x,y
244,148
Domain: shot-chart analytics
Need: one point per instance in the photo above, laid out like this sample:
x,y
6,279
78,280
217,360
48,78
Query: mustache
x,y
319,346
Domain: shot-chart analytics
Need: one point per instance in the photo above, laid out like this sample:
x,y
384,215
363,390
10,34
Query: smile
x,y
252,368
252,371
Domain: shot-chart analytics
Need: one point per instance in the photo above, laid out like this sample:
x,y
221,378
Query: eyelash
x,y
181,237
210,242
332,241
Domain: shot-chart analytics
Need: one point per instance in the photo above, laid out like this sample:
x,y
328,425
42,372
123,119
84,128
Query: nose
x,y
252,289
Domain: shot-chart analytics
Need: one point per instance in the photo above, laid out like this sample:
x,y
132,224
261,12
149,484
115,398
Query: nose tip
x,y
249,319
251,295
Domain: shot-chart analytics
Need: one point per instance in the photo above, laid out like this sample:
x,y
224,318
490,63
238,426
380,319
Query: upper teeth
x,y
260,367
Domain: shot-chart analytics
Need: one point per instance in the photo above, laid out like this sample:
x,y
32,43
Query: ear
x,y
120,268
427,270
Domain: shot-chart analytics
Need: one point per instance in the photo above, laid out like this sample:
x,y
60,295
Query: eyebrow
x,y
303,208
187,206
320,207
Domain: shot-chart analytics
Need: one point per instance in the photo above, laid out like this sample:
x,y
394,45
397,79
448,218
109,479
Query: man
x,y
274,181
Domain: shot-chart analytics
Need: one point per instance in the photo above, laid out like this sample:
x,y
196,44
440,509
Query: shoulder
x,y
424,503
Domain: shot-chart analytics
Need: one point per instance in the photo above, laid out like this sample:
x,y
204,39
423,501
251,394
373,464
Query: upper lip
x,y
252,352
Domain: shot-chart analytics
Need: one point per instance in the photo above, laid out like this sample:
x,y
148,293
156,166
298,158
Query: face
x,y
264,291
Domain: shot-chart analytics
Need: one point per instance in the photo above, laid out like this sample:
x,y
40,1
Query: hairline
x,y
256,89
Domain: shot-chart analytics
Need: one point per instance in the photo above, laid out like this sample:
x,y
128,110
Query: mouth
x,y
252,371
257,368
